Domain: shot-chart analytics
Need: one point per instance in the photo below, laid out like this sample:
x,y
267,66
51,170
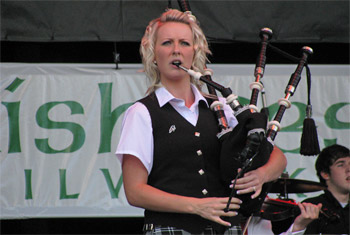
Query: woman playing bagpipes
x,y
168,146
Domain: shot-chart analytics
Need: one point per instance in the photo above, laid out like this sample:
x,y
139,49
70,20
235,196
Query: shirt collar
x,y
164,96
330,197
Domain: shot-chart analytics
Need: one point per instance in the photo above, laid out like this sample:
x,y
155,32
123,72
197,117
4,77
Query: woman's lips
x,y
176,63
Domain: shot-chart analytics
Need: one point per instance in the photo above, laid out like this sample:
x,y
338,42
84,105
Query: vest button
x,y
197,134
201,172
199,153
204,191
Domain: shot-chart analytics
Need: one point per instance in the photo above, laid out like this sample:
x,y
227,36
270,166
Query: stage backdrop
x,y
60,126
125,20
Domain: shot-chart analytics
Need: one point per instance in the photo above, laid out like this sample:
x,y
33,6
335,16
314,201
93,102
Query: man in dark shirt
x,y
333,170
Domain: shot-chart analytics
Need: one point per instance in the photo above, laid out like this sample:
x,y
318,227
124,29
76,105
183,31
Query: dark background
x,y
92,31
102,52
73,226
84,31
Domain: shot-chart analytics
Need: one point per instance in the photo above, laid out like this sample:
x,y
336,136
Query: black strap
x,y
308,79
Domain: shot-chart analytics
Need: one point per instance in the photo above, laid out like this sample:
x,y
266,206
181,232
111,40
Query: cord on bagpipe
x,y
274,126
309,145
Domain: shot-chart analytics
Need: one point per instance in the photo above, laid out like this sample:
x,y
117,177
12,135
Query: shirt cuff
x,y
289,231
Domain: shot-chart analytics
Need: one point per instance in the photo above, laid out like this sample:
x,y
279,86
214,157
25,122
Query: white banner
x,y
60,126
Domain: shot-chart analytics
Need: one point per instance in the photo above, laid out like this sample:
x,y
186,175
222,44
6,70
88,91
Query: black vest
x,y
186,161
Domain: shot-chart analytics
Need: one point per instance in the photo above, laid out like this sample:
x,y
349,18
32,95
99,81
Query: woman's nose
x,y
176,49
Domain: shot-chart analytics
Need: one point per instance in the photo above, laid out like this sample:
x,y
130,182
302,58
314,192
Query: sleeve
x,y
313,227
289,231
259,225
136,136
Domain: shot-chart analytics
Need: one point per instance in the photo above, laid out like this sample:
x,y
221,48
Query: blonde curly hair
x,y
148,43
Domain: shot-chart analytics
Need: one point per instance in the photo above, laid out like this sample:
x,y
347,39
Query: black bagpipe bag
x,y
232,145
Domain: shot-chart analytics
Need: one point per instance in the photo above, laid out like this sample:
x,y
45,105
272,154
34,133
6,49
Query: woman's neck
x,y
181,90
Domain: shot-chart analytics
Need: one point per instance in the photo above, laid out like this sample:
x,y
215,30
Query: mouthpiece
x,y
177,63
194,74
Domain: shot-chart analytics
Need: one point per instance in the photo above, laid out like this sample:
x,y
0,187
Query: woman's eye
x,y
186,43
166,43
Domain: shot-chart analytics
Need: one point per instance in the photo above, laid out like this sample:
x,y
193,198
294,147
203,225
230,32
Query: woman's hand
x,y
213,208
140,194
251,181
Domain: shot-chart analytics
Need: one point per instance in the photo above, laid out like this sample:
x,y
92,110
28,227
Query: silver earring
x,y
154,62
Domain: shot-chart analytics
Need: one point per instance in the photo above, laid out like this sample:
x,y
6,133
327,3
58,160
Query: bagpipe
x,y
249,144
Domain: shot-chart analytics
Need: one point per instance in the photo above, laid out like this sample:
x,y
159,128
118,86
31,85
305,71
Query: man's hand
x,y
309,212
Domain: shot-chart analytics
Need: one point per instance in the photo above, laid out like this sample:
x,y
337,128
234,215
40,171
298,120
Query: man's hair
x,y
327,157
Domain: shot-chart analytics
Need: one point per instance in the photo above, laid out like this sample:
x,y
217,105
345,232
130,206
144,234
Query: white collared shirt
x,y
137,135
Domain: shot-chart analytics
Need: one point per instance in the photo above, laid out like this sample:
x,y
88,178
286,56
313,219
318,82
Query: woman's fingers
x,y
214,208
251,182
233,207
